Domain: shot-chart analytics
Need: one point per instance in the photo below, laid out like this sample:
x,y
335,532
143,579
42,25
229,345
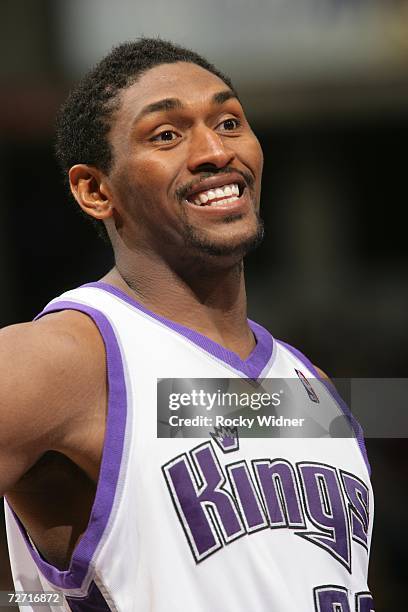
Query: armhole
x,y
358,430
79,575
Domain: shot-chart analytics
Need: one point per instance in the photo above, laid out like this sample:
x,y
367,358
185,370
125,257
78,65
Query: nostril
x,y
207,167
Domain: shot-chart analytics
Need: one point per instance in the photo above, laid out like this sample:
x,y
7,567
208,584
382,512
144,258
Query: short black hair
x,y
84,119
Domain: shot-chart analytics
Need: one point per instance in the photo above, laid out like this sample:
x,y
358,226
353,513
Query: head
x,y
147,139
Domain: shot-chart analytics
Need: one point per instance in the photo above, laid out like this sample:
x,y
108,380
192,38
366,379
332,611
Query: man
x,y
99,509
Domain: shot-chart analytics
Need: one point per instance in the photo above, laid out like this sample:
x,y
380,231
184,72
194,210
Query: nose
x,y
208,150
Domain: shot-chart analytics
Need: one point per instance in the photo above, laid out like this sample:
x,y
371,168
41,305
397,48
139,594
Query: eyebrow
x,y
168,104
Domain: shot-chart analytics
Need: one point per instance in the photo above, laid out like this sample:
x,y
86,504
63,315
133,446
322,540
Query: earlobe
x,y
90,191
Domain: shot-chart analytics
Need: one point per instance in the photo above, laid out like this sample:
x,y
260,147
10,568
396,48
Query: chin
x,y
236,245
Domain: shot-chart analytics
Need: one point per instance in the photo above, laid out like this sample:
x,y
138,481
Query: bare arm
x,y
50,370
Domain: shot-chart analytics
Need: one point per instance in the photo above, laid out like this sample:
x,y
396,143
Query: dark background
x,y
330,277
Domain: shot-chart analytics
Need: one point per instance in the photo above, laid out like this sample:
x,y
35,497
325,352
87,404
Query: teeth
x,y
220,192
224,201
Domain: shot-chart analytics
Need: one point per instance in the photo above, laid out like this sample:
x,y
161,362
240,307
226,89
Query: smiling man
x,y
103,513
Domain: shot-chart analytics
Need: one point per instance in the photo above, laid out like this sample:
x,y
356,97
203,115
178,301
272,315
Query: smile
x,y
213,197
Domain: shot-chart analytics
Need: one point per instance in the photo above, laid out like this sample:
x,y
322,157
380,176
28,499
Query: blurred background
x,y
325,85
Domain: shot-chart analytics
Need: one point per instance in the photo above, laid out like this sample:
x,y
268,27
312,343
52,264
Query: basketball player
x,y
100,510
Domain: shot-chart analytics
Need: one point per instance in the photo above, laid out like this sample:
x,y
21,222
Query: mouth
x,y
217,196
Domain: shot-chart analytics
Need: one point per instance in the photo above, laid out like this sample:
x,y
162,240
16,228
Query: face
x,y
186,166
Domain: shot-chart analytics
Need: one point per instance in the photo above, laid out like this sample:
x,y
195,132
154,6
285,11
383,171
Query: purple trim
x,y
73,577
358,430
94,601
252,367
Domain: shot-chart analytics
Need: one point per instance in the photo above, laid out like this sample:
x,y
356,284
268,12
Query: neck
x,y
209,299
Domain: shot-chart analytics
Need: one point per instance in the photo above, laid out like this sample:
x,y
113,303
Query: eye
x,y
230,124
165,136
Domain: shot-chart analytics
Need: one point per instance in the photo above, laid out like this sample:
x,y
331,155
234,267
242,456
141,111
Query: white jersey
x,y
220,523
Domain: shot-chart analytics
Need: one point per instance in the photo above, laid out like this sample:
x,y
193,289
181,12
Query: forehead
x,y
184,80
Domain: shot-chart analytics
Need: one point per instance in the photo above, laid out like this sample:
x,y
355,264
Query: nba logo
x,y
309,389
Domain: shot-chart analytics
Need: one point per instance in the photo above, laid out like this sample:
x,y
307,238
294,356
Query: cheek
x,y
142,188
258,155
155,177
252,155
137,179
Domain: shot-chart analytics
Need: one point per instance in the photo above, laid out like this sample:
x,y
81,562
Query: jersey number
x,y
332,598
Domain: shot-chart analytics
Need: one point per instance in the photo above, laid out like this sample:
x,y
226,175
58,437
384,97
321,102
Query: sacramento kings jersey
x,y
216,523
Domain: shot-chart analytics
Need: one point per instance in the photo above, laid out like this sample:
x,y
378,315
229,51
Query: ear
x,y
90,189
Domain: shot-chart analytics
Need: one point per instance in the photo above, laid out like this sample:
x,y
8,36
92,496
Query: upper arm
x,y
46,368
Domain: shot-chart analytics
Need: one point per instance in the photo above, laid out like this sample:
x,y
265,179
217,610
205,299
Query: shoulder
x,y
303,358
322,374
50,369
54,351
325,377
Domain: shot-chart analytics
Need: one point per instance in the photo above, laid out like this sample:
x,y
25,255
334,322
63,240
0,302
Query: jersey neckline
x,y
253,366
